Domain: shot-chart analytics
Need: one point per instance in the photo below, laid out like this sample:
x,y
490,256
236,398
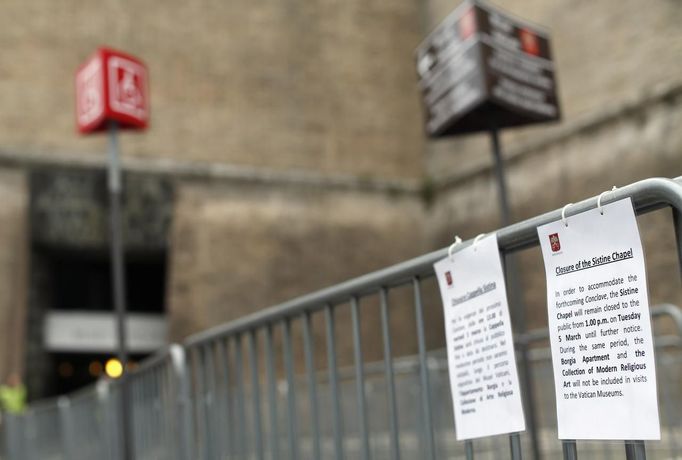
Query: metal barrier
x,y
219,395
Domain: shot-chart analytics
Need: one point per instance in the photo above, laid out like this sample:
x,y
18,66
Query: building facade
x,y
286,153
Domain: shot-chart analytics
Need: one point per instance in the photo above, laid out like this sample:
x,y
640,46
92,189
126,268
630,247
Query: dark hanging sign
x,y
483,67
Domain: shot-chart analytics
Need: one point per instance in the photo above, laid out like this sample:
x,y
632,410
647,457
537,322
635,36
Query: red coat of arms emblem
x,y
554,242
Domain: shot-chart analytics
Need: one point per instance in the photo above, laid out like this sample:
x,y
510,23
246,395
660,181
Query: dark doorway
x,y
78,283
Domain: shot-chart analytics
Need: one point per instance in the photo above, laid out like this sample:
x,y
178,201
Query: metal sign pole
x,y
513,283
499,175
118,283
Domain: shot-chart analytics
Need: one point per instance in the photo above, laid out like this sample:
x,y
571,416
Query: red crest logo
x,y
467,24
529,42
448,278
554,242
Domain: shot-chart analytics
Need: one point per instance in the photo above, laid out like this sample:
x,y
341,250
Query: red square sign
x,y
111,86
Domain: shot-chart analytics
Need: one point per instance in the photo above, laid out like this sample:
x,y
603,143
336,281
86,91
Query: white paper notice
x,y
481,361
600,330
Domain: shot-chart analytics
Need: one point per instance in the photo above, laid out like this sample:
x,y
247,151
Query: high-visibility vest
x,y
13,398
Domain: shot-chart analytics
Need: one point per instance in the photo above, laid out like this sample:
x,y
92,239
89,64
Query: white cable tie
x,y
452,247
563,214
601,211
478,237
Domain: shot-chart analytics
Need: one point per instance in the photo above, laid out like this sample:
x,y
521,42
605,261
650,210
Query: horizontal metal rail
x,y
647,195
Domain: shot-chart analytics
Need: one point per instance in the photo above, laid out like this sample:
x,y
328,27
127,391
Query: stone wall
x,y
314,85
238,249
14,242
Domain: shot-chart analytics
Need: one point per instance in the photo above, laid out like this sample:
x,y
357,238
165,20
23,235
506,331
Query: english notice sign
x,y
111,86
481,66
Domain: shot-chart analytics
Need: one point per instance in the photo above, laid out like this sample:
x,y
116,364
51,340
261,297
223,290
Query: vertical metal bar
x,y
291,391
430,453
667,407
148,407
497,445
242,442
63,404
223,394
360,379
148,400
200,406
499,175
515,446
469,449
677,222
308,346
209,399
335,390
135,409
230,403
526,379
159,415
184,401
164,415
272,394
526,375
118,280
201,402
29,434
255,388
14,436
137,414
152,396
606,451
167,415
390,381
114,418
137,386
570,449
635,450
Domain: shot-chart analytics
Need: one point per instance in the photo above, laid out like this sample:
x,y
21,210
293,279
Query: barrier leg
x,y
677,221
183,402
469,449
240,424
255,394
515,446
14,436
67,429
223,394
570,450
208,374
360,379
334,382
390,382
292,418
635,450
430,453
272,394
309,348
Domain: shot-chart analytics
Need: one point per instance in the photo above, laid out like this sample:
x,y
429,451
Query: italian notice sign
x,y
599,324
480,346
482,65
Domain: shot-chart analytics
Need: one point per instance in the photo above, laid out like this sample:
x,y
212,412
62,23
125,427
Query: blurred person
x,y
13,395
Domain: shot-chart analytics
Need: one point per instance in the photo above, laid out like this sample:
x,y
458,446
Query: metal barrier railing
x,y
220,394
